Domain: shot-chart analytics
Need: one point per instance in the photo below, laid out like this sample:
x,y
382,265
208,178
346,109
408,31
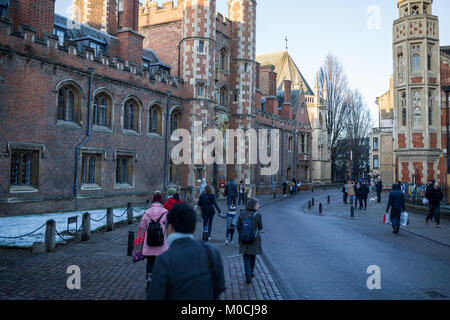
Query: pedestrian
x,y
249,226
241,193
203,185
155,217
285,186
358,195
231,192
299,186
207,202
189,269
434,196
345,191
364,194
291,189
396,203
230,225
351,191
173,199
245,194
379,187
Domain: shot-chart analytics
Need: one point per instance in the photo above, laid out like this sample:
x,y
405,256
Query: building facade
x,y
84,102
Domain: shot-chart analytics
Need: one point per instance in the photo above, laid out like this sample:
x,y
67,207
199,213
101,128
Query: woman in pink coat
x,y
155,212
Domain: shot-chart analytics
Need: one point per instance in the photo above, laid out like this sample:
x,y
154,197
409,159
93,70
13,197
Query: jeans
x,y
379,195
434,211
230,234
363,201
207,224
345,197
395,218
249,266
150,263
231,201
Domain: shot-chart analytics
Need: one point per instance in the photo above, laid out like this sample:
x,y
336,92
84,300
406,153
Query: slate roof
x,y
286,69
81,31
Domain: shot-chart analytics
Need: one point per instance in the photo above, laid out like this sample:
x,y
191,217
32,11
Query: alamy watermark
x,y
211,146
374,281
74,280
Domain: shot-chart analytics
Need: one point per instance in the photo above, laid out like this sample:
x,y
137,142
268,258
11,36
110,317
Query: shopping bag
x,y
198,211
404,219
425,201
138,247
387,218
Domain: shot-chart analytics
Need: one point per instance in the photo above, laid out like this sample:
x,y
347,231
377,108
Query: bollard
x,y
50,233
309,204
312,202
320,208
129,213
109,219
130,243
328,200
352,211
86,227
312,189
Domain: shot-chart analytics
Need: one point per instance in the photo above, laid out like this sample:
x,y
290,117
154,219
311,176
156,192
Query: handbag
x,y
138,247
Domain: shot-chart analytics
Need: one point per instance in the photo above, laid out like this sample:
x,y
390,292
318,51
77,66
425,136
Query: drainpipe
x,y
166,142
86,139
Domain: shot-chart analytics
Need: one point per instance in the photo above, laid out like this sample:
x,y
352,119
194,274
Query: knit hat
x,y
171,191
157,198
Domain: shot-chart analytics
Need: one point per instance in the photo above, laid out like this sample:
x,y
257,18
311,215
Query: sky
x,y
357,32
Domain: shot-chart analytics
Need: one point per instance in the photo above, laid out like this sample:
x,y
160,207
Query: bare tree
x,y
334,80
357,124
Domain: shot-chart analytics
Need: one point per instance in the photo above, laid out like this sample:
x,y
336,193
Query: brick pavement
x,y
375,212
108,274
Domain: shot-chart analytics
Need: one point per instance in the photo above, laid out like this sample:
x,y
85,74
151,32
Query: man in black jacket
x,y
397,204
379,187
364,194
434,196
189,270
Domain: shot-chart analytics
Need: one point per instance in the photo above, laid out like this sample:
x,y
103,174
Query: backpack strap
x,y
212,266
161,217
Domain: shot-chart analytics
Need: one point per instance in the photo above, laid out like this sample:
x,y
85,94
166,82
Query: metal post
x,y
166,146
328,200
320,208
130,243
86,227
352,211
129,213
447,90
312,202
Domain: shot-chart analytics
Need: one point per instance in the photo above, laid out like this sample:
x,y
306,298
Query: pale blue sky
x,y
318,27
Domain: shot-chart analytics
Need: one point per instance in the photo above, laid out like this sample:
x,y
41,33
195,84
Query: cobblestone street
x,y
108,274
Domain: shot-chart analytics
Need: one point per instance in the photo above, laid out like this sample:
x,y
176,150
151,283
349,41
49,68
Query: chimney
x,y
39,14
287,90
130,41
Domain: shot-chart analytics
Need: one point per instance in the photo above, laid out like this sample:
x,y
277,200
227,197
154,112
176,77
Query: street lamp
x,y
447,90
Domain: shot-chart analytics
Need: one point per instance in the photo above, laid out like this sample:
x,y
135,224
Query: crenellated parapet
x,y
26,44
151,13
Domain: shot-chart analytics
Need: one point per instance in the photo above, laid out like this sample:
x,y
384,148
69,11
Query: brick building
x,y
83,106
421,71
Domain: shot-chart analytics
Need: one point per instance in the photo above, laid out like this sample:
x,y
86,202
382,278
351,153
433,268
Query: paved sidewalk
x,y
375,212
108,274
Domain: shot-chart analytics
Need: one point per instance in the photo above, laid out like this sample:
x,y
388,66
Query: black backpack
x,y
249,230
155,234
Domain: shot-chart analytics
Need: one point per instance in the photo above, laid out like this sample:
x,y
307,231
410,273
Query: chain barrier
x,y
121,214
100,219
60,235
25,235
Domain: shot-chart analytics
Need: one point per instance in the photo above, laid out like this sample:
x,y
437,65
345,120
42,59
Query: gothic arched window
x,y
102,111
131,115
68,104
404,117
175,120
224,60
224,97
415,60
155,120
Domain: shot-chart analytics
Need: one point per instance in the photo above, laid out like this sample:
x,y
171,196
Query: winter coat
x,y
379,186
396,201
154,213
231,190
364,191
207,202
183,273
351,189
255,247
434,196
171,202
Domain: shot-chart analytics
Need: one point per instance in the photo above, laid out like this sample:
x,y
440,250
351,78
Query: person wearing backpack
x,y
153,224
249,225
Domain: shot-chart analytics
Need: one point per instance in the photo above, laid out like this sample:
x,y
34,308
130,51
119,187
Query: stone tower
x,y
321,164
242,13
417,125
197,66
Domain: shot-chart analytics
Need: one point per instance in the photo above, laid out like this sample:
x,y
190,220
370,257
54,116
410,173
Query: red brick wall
x,y
418,169
38,14
406,177
401,140
417,140
130,47
433,140
431,173
130,14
